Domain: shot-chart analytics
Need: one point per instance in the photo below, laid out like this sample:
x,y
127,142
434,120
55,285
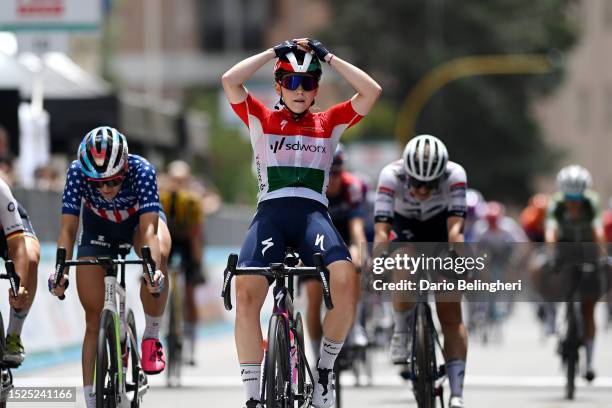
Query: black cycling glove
x,y
318,48
283,48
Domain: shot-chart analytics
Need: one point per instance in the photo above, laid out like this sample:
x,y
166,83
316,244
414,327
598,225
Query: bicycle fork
x,y
111,291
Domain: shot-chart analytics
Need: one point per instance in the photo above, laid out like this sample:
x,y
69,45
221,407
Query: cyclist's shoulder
x,y
454,178
140,168
391,177
350,179
455,171
592,197
7,199
354,189
556,200
394,169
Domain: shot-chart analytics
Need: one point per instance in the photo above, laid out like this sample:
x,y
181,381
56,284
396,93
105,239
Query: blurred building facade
x,y
187,43
578,117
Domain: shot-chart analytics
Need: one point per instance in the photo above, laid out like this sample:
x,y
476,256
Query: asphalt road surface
x,y
521,370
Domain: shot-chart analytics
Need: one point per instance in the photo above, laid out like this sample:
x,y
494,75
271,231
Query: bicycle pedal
x,y
441,370
406,373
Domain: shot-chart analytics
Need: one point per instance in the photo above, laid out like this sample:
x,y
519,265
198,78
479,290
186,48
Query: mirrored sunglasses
x,y
292,82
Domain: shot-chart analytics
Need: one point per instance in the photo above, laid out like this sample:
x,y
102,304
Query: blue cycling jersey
x,y
138,193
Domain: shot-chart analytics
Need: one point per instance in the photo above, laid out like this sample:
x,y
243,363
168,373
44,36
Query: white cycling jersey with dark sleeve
x,y
12,224
393,195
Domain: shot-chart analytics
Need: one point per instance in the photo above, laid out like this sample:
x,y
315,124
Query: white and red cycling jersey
x,y
393,195
293,157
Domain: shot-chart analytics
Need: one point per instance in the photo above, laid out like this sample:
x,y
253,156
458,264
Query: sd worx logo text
x,y
298,146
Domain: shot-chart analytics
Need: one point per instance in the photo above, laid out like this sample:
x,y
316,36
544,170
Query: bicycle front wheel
x,y
175,344
278,377
108,374
571,352
301,364
134,370
425,359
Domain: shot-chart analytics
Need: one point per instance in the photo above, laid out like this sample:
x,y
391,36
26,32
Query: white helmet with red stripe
x,y
425,158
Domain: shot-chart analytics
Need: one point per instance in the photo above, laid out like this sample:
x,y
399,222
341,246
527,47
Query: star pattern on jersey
x,y
138,193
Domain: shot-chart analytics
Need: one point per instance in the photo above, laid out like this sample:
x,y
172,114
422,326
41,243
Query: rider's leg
x,y
455,344
402,318
250,295
154,306
338,321
588,315
17,319
90,287
314,294
153,359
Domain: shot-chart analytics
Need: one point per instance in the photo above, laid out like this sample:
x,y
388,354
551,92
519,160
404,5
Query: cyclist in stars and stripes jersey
x,y
114,195
293,150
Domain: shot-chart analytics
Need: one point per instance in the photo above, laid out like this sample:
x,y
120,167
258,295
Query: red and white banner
x,y
40,15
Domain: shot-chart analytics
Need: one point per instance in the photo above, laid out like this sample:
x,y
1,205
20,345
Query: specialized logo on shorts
x,y
319,241
267,245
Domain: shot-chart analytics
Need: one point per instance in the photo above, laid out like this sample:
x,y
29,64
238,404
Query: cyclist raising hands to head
x,y
293,151
116,193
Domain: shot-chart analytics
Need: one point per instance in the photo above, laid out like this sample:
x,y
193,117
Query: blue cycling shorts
x,y
100,237
300,223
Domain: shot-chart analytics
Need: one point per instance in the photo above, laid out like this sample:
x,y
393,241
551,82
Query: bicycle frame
x,y
283,303
6,376
115,293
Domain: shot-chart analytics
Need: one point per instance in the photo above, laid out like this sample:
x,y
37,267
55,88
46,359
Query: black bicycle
x,y
117,352
285,364
573,336
422,368
6,376
174,336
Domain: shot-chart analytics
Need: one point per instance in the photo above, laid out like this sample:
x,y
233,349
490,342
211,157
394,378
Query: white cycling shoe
x,y
325,388
400,348
456,402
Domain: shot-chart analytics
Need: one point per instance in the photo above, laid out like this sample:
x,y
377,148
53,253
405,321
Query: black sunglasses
x,y
292,82
114,182
431,184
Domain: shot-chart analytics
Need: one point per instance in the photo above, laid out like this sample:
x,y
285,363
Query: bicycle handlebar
x,y
275,270
61,263
12,277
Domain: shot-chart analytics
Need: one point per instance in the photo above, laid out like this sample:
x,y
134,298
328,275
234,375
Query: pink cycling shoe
x,y
153,359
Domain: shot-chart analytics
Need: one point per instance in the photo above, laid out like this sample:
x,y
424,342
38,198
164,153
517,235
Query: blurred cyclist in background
x,y
475,210
185,215
574,215
20,245
607,220
498,236
421,198
346,195
114,196
533,217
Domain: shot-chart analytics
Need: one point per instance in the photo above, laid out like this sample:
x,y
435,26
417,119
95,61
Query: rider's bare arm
x,y
233,80
455,229
69,226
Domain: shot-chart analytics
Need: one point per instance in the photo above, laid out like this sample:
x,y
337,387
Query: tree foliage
x,y
485,121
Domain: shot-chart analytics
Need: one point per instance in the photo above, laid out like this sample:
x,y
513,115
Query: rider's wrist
x,y
329,57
